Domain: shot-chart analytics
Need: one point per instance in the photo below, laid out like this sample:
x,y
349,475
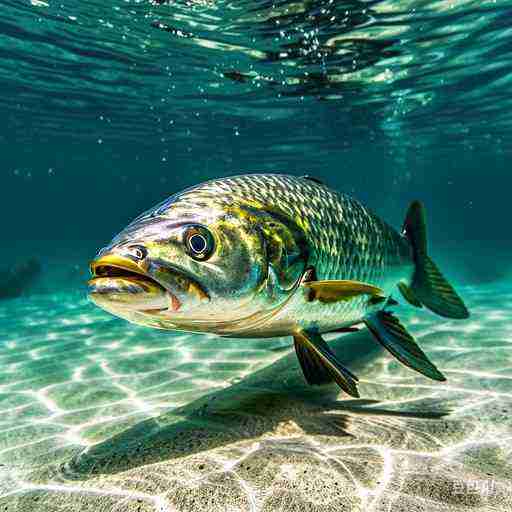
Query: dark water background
x,y
108,107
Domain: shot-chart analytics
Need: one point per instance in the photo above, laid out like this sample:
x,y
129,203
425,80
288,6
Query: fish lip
x,y
103,267
118,262
125,264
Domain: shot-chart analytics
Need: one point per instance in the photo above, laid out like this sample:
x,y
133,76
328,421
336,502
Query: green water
x,y
108,108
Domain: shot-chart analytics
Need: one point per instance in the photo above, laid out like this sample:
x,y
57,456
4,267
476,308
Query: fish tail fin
x,y
428,285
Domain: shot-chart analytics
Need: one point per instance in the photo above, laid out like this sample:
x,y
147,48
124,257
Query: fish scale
x,y
346,240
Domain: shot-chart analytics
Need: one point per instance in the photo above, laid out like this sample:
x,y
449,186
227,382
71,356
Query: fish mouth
x,y
174,283
114,266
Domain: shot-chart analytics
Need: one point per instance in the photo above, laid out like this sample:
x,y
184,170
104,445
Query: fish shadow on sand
x,y
272,401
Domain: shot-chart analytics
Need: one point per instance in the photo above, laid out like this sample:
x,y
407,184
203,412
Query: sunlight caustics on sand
x,y
100,415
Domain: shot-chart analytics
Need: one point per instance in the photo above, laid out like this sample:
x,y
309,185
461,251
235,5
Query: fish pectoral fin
x,y
320,365
393,336
335,291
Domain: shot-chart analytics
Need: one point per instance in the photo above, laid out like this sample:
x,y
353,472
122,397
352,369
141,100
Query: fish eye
x,y
137,251
199,243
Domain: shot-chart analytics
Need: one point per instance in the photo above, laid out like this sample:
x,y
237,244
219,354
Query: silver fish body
x,y
266,255
338,237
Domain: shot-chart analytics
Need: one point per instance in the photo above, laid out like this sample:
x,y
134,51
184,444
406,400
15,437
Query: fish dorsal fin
x,y
331,291
313,179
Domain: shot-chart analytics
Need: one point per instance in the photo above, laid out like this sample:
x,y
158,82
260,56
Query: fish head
x,y
198,265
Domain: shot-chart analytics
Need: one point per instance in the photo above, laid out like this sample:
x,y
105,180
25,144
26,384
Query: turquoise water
x,y
108,108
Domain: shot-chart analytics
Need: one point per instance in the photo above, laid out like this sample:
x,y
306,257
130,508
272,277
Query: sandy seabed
x,y
100,415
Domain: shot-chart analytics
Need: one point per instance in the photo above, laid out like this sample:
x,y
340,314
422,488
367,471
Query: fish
x,y
271,255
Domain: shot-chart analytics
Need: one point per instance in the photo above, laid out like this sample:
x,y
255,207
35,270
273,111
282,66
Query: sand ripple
x,y
101,415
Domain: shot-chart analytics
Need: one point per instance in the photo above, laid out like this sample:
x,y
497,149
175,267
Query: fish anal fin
x,y
408,295
331,291
320,365
393,336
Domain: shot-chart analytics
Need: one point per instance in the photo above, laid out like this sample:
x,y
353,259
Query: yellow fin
x,y
335,291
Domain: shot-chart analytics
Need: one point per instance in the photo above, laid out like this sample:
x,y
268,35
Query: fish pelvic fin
x,y
312,366
393,336
429,287
320,365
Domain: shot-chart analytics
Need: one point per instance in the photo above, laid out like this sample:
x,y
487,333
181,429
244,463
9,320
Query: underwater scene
x,y
257,342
